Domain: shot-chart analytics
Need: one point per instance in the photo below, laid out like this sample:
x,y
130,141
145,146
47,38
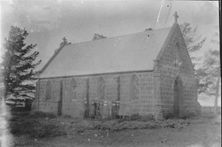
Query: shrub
x,y
32,126
169,115
47,130
147,118
136,117
42,114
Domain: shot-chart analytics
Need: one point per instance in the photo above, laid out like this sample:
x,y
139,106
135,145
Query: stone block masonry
x,y
103,96
175,63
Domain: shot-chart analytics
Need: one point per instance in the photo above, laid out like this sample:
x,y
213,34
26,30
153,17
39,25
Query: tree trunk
x,y
216,95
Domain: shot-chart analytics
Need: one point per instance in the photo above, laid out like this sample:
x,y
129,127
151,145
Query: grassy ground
x,y
46,130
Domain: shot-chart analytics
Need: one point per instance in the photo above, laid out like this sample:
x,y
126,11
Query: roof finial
x,y
175,17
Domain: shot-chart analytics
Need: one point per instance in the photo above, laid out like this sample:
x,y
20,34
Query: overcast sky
x,y
48,21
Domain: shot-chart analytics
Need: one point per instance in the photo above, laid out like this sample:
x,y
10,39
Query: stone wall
x,y
170,69
114,94
47,96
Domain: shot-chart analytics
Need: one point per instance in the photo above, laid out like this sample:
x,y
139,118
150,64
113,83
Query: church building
x,y
148,73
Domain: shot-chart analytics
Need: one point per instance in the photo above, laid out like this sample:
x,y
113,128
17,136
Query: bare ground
x,y
204,131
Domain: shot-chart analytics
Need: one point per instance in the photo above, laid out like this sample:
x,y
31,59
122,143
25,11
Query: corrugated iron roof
x,y
133,52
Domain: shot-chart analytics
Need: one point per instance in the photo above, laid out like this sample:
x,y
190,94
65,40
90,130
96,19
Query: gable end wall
x,y
169,72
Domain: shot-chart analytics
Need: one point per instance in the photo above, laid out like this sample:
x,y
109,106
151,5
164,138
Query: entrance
x,y
178,94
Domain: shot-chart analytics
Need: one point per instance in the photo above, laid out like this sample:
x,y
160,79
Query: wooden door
x,y
178,94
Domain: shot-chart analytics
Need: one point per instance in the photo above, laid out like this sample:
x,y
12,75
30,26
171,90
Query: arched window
x,y
73,88
48,90
73,84
134,87
101,88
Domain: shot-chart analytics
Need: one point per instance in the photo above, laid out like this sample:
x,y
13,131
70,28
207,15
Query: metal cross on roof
x,y
175,17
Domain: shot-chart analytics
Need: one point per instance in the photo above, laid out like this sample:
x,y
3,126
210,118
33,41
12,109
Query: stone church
x,y
148,73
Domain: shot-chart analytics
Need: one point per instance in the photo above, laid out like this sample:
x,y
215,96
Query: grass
x,y
34,125
39,125
73,131
129,124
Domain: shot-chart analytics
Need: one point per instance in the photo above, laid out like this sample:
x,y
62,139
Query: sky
x,y
48,21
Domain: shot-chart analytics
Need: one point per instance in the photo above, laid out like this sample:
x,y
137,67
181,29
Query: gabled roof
x,y
133,52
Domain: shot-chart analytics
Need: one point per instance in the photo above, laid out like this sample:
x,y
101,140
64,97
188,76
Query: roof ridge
x,y
114,37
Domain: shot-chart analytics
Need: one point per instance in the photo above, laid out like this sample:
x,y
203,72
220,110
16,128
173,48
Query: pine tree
x,y
19,64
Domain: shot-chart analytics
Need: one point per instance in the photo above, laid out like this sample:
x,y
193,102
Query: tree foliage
x,y
193,41
19,62
209,72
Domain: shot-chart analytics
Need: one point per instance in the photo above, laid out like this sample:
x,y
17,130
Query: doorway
x,y
178,94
